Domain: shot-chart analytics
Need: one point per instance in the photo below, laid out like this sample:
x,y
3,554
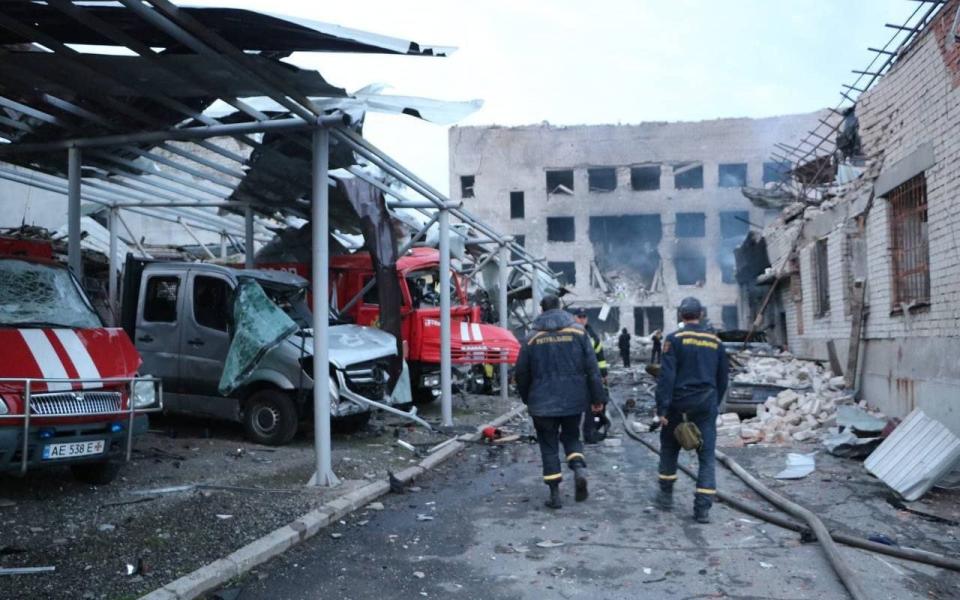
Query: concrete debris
x,y
798,466
375,506
783,370
549,544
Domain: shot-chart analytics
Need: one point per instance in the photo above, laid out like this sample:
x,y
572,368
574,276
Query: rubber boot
x,y
581,492
701,508
664,498
554,500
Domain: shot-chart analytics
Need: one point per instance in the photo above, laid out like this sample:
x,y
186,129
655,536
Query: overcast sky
x,y
602,61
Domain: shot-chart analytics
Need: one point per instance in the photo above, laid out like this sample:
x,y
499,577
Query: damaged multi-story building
x,y
634,217
865,263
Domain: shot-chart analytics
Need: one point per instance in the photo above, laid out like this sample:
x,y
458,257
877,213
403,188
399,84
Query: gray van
x,y
179,316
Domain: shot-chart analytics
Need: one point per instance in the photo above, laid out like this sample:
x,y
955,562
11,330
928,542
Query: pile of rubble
x,y
806,412
783,370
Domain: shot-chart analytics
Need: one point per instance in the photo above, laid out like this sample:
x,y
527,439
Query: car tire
x,y
96,473
351,423
270,418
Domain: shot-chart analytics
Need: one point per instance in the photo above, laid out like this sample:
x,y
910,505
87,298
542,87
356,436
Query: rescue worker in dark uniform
x,y
623,343
693,378
558,378
598,411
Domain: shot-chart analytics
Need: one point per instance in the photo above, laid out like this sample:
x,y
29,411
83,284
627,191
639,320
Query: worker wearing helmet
x,y
558,378
693,378
596,413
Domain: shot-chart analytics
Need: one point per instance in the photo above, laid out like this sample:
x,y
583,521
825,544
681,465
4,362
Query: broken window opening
x,y
466,186
626,247
602,179
855,263
909,243
734,227
610,325
691,225
521,240
691,265
647,319
160,304
821,277
516,205
561,229
730,315
776,172
734,224
688,176
560,182
733,175
645,178
566,270
211,302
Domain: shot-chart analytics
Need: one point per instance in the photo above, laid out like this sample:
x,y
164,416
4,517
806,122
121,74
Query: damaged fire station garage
x,y
270,329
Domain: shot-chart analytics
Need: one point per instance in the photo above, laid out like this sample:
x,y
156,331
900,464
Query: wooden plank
x,y
856,332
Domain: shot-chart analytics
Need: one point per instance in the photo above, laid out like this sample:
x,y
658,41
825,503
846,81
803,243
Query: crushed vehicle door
x,y
259,326
204,341
158,326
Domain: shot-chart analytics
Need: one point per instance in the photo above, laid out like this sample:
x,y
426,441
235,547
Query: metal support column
x,y
502,310
321,306
74,259
223,245
248,218
537,293
446,365
112,278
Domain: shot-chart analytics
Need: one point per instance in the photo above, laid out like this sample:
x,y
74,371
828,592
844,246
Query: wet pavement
x,y
477,528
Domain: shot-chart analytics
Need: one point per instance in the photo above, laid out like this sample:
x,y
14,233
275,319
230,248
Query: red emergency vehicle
x,y
471,341
69,391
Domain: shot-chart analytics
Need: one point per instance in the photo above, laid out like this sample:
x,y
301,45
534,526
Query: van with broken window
x,y
183,318
70,394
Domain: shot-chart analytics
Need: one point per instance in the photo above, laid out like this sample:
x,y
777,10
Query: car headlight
x,y
144,393
431,380
3,407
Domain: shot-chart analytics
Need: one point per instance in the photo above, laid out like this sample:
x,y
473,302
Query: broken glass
x,y
259,326
34,294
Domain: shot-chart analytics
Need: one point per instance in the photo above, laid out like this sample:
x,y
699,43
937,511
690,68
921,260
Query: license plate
x,y
73,449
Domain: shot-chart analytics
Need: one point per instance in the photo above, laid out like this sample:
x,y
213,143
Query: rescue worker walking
x,y
590,433
558,378
693,378
623,343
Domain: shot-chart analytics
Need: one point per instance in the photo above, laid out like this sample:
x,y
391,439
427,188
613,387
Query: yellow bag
x,y
688,435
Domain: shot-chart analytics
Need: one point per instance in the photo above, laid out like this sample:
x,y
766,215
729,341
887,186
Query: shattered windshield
x,y
37,295
424,286
292,301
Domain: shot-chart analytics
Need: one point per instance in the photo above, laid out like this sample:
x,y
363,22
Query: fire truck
x,y
472,342
69,390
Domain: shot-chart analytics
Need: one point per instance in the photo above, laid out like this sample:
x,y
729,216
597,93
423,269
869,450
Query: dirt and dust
x,y
193,492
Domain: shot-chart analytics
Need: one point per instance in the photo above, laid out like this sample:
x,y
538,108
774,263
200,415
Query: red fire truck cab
x,y
69,391
471,341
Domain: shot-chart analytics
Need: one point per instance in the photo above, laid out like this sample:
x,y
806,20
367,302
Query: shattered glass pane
x,y
38,294
260,325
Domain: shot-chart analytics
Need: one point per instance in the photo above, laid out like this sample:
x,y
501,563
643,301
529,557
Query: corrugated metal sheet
x,y
916,455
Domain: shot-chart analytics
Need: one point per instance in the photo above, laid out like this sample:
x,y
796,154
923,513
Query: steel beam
x,y
321,310
73,213
248,234
446,364
502,310
112,277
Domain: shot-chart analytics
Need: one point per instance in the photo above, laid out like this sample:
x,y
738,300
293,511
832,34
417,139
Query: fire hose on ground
x,y
814,526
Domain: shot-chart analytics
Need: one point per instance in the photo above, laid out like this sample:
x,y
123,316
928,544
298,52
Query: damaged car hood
x,y
351,344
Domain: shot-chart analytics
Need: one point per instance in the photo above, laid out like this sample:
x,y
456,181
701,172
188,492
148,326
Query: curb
x,y
279,540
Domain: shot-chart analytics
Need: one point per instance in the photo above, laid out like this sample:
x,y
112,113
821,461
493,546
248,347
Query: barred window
x,y
909,242
821,275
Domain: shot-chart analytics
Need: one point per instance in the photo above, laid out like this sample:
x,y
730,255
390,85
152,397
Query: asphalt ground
x,y
477,528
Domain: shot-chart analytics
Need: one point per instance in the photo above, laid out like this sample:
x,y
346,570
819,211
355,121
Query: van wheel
x,y
351,423
98,473
270,418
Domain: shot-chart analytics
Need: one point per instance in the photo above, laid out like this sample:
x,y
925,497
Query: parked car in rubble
x,y
179,315
69,390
